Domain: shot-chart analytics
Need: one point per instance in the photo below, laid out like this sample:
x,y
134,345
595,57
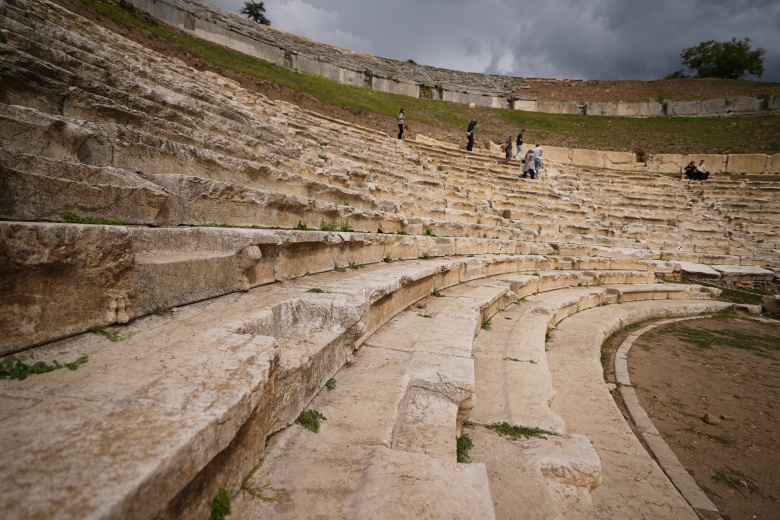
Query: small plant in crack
x,y
15,368
388,259
339,269
220,505
162,310
112,335
435,293
302,227
315,290
423,314
426,256
310,419
464,445
353,265
515,432
429,232
486,323
331,384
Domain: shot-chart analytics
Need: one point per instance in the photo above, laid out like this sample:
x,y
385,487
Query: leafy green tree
x,y
731,60
256,12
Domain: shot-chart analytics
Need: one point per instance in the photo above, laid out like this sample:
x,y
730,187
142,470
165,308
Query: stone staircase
x,y
265,250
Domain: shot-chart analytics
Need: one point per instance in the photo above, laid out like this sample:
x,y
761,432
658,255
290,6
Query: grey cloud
x,y
586,39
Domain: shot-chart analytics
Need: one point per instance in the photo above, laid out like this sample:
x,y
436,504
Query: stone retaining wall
x,y
407,78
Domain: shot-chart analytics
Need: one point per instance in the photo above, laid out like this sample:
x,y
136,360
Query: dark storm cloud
x,y
587,39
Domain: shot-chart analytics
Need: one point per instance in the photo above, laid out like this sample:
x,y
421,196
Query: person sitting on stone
x,y
701,171
690,170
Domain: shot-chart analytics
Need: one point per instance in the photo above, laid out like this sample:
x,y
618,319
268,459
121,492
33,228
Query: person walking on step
x,y
519,153
470,134
538,151
528,166
507,147
401,124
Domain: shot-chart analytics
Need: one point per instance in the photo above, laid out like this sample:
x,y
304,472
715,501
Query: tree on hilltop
x,y
256,12
730,60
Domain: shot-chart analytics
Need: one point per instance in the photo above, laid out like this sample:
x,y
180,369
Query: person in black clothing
x,y
519,154
690,170
470,134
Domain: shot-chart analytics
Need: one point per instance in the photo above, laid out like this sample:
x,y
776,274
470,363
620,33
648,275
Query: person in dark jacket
x,y
470,134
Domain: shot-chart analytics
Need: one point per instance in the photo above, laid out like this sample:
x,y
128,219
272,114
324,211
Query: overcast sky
x,y
577,39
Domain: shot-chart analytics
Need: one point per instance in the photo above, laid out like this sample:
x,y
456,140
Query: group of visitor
x,y
696,173
532,162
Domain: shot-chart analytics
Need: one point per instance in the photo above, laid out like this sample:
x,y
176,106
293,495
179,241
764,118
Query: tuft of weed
x,y
331,384
402,233
486,323
388,259
112,335
353,265
15,368
220,505
160,310
435,292
429,232
328,226
316,290
301,226
426,256
464,445
515,432
310,419
323,157
339,269
71,218
344,227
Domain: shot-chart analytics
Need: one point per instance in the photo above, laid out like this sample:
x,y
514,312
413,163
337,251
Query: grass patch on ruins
x,y
517,432
353,265
756,134
315,290
15,368
388,259
220,505
486,323
435,292
302,227
112,335
330,384
463,445
162,310
426,255
71,218
310,419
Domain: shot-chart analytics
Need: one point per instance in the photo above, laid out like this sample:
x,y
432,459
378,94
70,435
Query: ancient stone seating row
x,y
279,333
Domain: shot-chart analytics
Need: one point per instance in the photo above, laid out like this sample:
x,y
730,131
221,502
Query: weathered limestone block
x,y
55,137
620,160
60,279
747,163
683,108
744,272
438,489
558,154
773,164
558,107
666,163
26,194
592,158
743,105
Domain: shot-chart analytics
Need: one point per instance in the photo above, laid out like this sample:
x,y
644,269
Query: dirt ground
x,y
726,367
